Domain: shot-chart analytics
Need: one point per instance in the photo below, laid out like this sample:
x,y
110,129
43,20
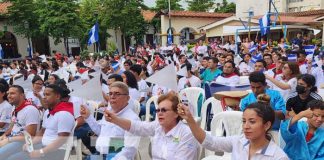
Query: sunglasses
x,y
163,110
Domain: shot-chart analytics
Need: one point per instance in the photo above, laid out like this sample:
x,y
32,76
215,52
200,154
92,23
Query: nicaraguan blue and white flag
x,y
309,49
253,48
170,37
264,23
292,57
1,52
29,51
254,58
264,46
94,34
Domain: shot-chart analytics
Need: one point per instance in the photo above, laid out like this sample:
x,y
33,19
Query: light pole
x,y
170,29
26,25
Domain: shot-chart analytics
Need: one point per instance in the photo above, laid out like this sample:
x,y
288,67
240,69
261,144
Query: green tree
x,y
125,16
59,19
91,11
226,7
200,5
164,5
22,16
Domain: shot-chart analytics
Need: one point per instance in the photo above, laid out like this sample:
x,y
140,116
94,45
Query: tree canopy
x,y
200,5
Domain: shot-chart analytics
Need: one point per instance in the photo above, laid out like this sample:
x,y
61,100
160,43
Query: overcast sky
x,y
151,3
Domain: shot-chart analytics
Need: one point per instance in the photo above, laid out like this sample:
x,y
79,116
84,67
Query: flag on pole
x,y
170,36
309,49
94,34
1,52
264,23
29,51
292,57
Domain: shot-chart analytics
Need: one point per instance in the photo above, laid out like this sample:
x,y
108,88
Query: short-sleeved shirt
x,y
276,102
295,103
5,114
286,93
35,100
143,88
209,76
25,117
60,122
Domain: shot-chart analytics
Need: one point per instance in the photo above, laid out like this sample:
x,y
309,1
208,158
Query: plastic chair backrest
x,y
69,143
228,121
216,107
93,107
192,94
137,107
148,107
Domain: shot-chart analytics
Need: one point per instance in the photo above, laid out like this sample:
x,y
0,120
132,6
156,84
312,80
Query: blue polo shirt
x,y
276,102
209,76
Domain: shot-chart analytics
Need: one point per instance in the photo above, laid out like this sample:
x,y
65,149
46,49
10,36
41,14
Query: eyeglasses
x,y
163,110
117,94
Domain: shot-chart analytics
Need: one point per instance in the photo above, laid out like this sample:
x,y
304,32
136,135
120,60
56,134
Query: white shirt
x,y
229,81
25,117
303,68
134,93
60,122
239,147
318,73
5,114
77,102
143,88
183,49
31,97
285,93
177,144
193,80
105,130
202,50
159,90
245,69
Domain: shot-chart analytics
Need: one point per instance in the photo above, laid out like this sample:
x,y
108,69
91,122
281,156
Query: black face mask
x,y
300,89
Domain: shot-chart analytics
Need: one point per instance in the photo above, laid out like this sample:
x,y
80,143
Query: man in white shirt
x,y
58,124
189,81
119,104
25,118
202,49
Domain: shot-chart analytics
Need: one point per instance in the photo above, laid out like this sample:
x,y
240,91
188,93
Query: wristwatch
x,y
41,151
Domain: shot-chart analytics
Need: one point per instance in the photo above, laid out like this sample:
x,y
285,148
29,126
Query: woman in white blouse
x,y
5,109
286,83
254,144
171,138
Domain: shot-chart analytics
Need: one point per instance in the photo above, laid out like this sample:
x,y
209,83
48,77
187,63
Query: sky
x,y
151,3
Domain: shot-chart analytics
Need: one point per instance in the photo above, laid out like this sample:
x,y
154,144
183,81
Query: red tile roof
x,y
319,12
148,15
197,14
4,7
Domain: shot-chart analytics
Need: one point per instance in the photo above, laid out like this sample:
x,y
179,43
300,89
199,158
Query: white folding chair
x,y
148,107
69,143
192,94
231,123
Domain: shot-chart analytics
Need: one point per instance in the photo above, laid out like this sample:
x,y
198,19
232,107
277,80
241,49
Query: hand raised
x,y
110,116
184,112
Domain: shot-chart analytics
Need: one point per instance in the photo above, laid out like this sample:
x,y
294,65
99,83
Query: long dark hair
x,y
263,109
4,89
131,80
309,80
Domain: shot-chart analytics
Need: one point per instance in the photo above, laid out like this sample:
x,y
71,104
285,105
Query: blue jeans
x,y
83,133
10,148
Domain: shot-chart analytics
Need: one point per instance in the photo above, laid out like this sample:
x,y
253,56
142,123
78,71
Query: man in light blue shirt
x,y
212,71
258,86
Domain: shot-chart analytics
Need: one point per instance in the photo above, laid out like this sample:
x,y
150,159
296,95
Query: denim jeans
x,y
10,148
83,133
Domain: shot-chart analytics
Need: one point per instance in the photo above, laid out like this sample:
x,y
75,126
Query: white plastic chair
x,y
231,123
148,107
216,107
192,94
137,106
69,143
93,107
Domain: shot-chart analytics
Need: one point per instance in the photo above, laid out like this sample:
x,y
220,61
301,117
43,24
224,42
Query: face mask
x,y
300,89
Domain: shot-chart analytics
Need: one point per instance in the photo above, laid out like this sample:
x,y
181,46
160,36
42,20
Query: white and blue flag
x,y
255,58
170,37
264,46
29,51
292,57
253,48
1,52
94,34
309,49
264,23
